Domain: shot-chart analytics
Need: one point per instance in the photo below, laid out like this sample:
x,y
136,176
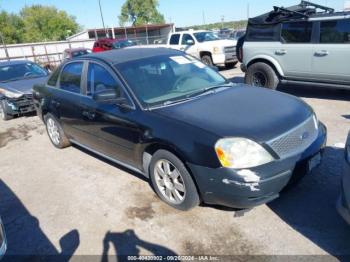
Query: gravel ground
x,y
73,202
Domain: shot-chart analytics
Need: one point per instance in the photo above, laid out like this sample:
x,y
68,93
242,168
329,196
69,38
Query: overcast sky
x,y
180,12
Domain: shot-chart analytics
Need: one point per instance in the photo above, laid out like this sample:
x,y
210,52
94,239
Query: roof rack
x,y
306,4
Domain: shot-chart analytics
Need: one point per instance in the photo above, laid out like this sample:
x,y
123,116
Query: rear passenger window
x,y
54,77
99,79
296,32
175,39
335,32
71,77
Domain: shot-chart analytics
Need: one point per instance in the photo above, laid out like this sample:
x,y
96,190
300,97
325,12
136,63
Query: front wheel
x,y
206,59
261,75
172,182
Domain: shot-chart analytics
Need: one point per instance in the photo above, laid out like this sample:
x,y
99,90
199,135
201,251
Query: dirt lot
x,y
73,202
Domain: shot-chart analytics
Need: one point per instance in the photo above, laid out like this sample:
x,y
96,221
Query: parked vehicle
x,y
166,115
3,243
298,45
105,44
205,45
75,52
237,34
343,205
16,82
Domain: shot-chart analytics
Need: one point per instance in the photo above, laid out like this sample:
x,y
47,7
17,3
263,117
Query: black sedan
x,y
344,200
16,82
198,137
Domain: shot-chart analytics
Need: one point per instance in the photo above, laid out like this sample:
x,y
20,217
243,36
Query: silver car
x,y
305,44
3,243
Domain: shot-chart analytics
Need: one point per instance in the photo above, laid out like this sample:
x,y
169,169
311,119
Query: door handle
x,y
89,115
280,52
321,53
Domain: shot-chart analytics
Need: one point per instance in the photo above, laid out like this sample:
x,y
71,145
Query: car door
x,y
66,96
174,41
112,128
188,45
332,55
294,52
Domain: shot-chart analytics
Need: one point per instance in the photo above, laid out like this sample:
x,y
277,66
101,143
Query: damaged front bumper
x,y
255,186
19,106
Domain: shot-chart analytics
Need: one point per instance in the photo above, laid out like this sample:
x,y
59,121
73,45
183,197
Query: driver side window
x,y
99,79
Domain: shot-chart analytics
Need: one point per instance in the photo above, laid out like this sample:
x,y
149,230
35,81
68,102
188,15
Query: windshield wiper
x,y
209,90
170,102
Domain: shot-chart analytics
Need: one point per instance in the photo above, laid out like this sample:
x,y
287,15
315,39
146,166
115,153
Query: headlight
x,y
217,50
10,94
240,153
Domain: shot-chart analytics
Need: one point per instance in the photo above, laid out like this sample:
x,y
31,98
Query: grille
x,y
230,49
296,140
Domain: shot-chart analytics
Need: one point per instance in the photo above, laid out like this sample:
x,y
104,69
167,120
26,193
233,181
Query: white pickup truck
x,y
206,46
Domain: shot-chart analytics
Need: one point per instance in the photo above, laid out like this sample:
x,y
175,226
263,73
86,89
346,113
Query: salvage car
x,y
343,205
305,44
16,82
106,44
194,134
3,243
75,52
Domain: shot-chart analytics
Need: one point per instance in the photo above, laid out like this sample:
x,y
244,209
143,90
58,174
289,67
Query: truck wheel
x,y
206,59
261,75
55,132
4,115
172,182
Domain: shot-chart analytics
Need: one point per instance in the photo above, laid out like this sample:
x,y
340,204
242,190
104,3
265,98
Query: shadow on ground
x,y
309,207
25,237
128,243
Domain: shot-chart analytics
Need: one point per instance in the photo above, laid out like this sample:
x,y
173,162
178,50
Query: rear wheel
x,y
206,59
4,115
55,132
261,75
172,182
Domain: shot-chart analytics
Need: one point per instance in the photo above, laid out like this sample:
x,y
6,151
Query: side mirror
x,y
190,42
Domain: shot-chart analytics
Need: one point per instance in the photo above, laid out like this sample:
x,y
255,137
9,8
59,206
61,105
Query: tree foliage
x,y
140,12
37,23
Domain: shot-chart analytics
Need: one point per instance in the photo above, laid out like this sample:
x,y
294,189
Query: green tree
x,y
46,23
140,12
11,28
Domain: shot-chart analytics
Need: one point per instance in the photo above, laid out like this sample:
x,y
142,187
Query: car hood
x,y
222,43
242,111
23,86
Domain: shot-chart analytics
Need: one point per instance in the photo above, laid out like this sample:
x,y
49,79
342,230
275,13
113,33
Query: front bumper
x,y
19,106
227,187
3,243
224,58
343,205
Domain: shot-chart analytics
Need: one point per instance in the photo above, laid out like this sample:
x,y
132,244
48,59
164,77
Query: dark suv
x,y
305,44
170,117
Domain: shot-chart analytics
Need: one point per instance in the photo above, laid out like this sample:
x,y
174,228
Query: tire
x,y
206,59
183,192
55,132
231,65
261,75
4,115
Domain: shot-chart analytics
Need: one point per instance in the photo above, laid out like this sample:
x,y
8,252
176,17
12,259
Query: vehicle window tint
x,y
175,39
263,33
296,32
337,31
99,79
71,77
54,77
185,38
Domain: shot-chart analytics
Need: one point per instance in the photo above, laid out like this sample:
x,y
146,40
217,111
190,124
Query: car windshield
x,y
123,43
21,71
166,79
206,36
80,52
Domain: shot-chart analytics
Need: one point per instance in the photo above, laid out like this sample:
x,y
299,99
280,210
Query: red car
x,y
105,44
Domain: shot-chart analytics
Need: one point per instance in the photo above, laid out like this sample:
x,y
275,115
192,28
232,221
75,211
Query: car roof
x,y
14,62
118,56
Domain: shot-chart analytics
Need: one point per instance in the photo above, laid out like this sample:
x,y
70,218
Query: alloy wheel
x,y
259,79
169,181
52,129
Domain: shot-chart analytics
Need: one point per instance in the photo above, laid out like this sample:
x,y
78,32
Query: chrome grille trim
x,y
296,140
